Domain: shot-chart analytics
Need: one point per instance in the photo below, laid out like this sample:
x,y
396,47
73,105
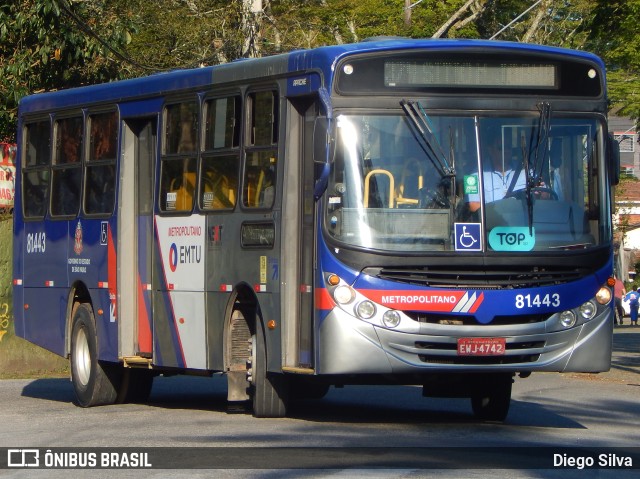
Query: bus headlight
x,y
343,294
603,296
391,318
567,319
366,309
588,310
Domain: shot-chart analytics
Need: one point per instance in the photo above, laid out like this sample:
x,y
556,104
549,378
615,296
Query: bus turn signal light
x,y
333,279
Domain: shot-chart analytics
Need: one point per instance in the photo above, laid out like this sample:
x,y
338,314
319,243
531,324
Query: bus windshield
x,y
413,181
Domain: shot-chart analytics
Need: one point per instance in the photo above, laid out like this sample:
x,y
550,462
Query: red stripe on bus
x,y
144,324
477,304
324,299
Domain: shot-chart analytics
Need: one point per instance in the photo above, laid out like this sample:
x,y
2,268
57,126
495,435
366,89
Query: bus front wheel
x,y
493,401
94,382
269,392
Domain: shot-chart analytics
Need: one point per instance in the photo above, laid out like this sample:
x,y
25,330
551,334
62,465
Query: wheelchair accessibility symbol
x,y
468,237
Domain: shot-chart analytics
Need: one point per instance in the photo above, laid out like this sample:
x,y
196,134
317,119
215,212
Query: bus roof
x,y
322,58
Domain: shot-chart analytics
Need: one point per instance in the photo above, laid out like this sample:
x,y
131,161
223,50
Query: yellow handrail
x,y
367,178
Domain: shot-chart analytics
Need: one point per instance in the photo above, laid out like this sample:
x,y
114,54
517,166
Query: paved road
x,y
553,410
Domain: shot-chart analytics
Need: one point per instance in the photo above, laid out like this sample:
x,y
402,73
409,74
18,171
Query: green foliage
x,y
47,45
614,34
53,44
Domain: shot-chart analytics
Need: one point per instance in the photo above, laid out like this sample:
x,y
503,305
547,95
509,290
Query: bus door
x,y
298,227
135,238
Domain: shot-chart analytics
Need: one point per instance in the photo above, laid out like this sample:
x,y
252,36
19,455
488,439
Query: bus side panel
x,y
106,325
179,310
45,259
216,305
188,312
45,317
88,264
45,284
18,274
167,350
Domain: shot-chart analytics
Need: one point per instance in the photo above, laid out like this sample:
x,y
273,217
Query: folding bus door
x,y
135,238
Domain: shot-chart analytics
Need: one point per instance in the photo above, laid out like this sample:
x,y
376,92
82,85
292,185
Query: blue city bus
x,y
413,212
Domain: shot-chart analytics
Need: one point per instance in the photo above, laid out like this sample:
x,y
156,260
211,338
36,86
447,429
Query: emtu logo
x,y
173,257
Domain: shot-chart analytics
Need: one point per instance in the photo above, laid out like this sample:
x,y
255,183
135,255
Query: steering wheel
x,y
433,198
537,192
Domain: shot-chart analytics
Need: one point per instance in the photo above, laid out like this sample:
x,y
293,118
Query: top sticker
x,y
512,238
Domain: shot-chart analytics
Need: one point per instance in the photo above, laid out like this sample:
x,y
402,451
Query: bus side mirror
x,y
322,154
613,160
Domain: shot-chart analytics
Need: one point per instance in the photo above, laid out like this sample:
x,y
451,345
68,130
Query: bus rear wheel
x,y
94,382
493,401
269,392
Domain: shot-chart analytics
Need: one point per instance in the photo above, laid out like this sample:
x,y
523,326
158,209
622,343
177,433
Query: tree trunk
x,y
535,24
251,23
407,13
476,6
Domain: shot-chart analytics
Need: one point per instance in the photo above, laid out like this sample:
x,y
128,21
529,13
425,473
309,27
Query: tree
x,y
52,44
546,22
614,34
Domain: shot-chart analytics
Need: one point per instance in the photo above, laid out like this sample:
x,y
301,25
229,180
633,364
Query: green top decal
x,y
512,238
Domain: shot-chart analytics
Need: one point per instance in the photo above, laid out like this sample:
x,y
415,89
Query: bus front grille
x,y
473,277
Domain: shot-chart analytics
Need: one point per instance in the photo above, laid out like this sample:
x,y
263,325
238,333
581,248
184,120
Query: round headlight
x,y
343,294
588,310
366,309
391,318
567,318
603,296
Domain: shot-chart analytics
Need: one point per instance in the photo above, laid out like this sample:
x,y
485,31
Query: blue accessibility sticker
x,y
468,237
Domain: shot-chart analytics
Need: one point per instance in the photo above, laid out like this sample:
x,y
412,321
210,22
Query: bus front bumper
x,y
351,346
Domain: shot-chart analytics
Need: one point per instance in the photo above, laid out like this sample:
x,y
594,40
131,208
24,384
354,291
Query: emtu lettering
x,y
190,254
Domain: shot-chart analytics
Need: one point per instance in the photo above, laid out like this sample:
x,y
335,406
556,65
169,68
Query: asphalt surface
x,y
625,360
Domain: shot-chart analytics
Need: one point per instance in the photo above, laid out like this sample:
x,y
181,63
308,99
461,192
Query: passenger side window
x,y
178,169
67,167
99,195
37,169
261,153
220,159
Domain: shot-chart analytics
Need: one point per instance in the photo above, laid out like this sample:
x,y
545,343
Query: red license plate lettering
x,y
481,346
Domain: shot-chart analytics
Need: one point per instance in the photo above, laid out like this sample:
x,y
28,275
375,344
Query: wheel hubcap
x,y
82,357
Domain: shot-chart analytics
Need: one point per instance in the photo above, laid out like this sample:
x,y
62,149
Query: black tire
x,y
94,382
136,386
269,392
492,404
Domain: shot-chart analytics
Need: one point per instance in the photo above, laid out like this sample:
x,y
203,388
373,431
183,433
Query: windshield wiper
x,y
542,137
429,143
533,173
423,130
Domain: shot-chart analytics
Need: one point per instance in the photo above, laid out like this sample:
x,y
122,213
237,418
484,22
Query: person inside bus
x,y
497,175
556,162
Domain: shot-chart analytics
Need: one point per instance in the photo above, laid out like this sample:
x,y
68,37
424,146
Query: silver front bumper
x,y
350,346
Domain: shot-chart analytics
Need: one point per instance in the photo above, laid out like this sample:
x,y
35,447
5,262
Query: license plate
x,y
481,346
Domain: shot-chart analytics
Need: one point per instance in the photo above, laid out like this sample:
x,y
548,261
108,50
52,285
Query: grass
x,y
20,359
